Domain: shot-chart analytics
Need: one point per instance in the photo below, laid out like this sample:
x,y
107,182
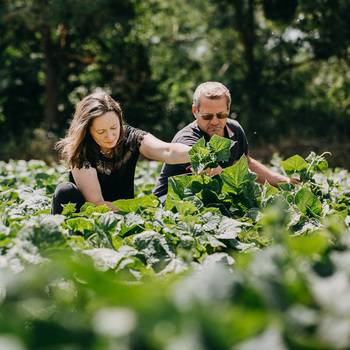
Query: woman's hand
x,y
88,184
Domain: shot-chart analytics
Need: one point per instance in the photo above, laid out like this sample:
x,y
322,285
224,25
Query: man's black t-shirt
x,y
189,135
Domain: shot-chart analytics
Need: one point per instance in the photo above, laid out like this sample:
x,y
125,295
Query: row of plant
x,y
225,264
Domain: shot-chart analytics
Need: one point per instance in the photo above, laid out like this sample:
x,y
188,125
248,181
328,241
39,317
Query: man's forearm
x,y
266,174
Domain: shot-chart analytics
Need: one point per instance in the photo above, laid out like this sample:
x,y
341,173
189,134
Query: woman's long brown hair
x,y
78,144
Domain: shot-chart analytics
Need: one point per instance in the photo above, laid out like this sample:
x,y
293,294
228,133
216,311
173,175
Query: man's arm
x,y
265,174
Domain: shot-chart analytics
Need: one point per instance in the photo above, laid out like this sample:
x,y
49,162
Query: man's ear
x,y
194,111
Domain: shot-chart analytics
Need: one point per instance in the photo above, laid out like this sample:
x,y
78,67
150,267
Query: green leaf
x,y
69,209
185,208
208,239
108,221
202,160
295,164
305,199
221,147
229,228
268,191
102,239
177,185
155,248
209,197
201,157
198,183
309,244
133,205
197,146
318,163
107,258
210,221
89,208
43,231
129,223
236,175
132,219
204,156
322,166
81,224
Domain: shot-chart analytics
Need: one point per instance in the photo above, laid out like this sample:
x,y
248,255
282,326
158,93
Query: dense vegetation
x,y
227,263
285,62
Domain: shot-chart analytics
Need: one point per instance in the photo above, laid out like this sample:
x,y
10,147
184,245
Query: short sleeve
x,y
132,143
134,137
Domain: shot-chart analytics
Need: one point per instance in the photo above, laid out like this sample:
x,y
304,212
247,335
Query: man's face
x,y
208,106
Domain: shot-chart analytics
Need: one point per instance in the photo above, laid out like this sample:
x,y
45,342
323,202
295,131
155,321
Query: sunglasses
x,y
221,115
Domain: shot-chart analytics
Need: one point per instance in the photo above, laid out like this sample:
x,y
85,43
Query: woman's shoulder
x,y
133,135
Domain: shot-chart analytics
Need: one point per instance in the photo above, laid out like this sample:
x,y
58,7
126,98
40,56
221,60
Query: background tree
x,y
285,63
71,47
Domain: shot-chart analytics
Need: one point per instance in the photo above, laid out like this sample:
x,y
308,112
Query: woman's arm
x,y
88,184
170,153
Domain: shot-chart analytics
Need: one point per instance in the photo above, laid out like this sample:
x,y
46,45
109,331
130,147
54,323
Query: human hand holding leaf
x,y
204,156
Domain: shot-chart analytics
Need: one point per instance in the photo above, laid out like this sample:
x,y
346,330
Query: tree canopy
x,y
285,63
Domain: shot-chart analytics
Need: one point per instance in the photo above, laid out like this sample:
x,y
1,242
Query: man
x,y
211,108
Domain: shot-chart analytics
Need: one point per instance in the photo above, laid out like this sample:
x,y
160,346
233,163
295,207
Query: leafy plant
x,y
208,155
223,263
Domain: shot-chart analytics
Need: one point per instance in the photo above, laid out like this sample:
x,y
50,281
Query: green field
x,y
226,264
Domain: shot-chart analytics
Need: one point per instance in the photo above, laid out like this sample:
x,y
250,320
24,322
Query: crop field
x,y
226,263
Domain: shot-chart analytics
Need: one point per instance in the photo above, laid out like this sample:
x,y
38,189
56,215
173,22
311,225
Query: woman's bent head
x,y
83,138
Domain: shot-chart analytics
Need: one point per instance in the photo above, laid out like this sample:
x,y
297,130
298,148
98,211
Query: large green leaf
x,y
156,250
201,156
132,205
295,164
197,146
305,199
203,159
185,207
236,175
108,221
221,147
130,223
90,209
204,156
80,224
314,243
200,182
43,231
177,185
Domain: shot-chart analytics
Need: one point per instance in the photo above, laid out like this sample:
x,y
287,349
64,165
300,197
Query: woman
x,y
102,152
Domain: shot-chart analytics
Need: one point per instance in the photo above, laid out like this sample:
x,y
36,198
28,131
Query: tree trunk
x,y
52,81
245,25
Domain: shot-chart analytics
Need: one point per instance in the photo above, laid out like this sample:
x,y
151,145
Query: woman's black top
x,y
117,179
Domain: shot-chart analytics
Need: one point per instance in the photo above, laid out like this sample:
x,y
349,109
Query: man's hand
x,y
294,181
212,171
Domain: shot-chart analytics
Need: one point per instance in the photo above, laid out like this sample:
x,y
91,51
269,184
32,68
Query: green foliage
x,y
204,156
271,268
285,65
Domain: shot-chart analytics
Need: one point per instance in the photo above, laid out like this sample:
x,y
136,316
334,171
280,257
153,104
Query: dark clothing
x,y
116,179
189,135
66,192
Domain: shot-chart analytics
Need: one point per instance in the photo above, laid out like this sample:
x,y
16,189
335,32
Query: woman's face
x,y
105,130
